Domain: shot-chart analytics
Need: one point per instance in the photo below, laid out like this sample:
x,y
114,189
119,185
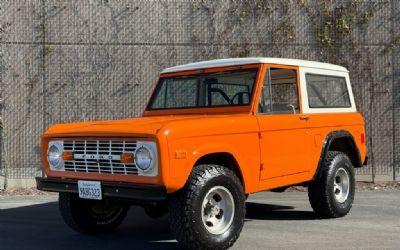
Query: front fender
x,y
185,152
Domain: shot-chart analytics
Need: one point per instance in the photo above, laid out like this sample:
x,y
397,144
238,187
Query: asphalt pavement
x,y
273,221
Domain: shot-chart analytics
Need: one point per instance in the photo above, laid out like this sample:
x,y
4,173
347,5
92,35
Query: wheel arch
x,y
225,159
339,140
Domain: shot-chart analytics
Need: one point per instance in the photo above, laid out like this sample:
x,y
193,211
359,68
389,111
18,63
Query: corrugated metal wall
x,y
64,61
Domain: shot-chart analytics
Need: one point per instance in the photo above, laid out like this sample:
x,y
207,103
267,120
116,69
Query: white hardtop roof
x,y
253,60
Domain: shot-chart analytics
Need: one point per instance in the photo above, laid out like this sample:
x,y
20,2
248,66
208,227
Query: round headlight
x,y
143,158
54,156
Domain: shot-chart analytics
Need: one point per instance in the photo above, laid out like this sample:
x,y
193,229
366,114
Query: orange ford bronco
x,y
212,133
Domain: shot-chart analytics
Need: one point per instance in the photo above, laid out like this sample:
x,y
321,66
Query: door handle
x,y
304,118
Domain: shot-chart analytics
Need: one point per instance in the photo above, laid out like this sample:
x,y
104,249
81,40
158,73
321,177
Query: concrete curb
x,y
18,183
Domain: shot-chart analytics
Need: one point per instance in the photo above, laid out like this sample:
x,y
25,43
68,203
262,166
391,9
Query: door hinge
x,y
259,135
261,167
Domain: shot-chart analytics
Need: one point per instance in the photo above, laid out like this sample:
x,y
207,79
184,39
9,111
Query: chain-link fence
x,y
64,61
2,170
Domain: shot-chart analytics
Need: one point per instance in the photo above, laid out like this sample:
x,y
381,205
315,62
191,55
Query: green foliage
x,y
244,53
338,24
392,43
337,27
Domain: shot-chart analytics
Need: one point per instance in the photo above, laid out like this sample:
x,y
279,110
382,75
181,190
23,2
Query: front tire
x,y
332,195
209,212
91,216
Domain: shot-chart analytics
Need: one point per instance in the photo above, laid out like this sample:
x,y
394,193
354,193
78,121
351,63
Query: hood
x,y
177,126
142,126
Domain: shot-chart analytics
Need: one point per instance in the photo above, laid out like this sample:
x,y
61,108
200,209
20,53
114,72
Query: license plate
x,y
89,190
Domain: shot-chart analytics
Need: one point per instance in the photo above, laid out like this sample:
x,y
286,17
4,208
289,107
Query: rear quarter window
x,y
326,91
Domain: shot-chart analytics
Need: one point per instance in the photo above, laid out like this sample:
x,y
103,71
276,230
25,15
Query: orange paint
x,y
270,150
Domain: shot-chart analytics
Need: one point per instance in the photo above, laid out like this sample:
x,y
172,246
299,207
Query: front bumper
x,y
110,189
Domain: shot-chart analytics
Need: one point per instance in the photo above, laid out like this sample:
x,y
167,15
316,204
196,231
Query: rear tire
x,y
332,195
209,211
90,216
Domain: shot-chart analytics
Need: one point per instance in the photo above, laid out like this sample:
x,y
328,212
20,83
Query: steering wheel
x,y
240,96
222,93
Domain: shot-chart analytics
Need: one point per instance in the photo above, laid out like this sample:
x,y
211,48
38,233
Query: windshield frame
x,y
243,108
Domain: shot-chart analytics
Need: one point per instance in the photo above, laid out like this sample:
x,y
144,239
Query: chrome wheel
x,y
341,186
218,210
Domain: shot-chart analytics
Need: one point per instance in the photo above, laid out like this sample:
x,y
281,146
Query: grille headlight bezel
x,y
54,155
147,167
143,158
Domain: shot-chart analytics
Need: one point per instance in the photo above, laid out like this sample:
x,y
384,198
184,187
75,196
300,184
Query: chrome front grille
x,y
101,157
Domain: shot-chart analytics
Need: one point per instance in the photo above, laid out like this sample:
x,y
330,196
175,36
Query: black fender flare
x,y
331,137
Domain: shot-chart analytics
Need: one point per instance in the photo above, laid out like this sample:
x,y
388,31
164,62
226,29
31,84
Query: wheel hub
x,y
341,185
218,210
215,210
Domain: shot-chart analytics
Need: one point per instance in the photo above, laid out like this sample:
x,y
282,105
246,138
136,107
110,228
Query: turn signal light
x,y
126,158
362,139
68,156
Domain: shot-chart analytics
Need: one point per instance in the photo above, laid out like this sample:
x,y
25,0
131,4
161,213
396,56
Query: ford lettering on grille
x,y
96,157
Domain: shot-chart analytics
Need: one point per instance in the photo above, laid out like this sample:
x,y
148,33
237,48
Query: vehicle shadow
x,y
41,227
262,211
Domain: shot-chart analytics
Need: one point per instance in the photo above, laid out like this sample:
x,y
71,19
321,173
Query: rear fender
x,y
354,154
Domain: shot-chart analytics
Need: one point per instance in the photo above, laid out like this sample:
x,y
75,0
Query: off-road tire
x,y
77,214
185,210
321,192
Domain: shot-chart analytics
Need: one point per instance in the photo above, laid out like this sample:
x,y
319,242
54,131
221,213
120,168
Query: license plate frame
x,y
90,190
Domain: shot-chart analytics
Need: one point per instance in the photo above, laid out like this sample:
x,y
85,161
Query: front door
x,y
284,138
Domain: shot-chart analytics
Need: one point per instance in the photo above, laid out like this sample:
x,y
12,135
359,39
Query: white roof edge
x,y
253,60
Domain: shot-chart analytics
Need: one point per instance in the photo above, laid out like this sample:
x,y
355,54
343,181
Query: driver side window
x,y
233,89
279,94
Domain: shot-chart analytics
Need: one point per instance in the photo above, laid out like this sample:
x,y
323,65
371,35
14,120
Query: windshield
x,y
229,88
